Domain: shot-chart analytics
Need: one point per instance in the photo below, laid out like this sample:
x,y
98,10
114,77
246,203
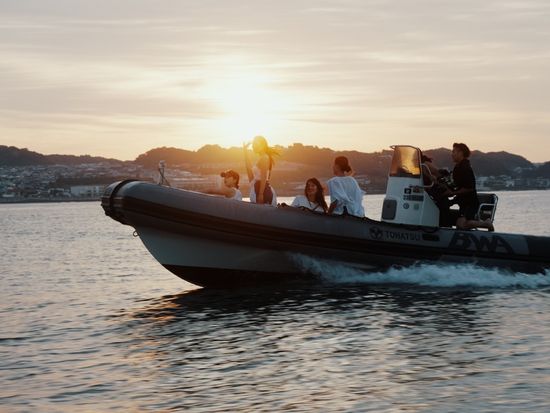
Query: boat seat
x,y
487,206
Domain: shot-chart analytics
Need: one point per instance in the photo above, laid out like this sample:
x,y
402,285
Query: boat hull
x,y
211,241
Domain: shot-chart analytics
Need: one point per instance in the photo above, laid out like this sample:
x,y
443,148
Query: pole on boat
x,y
162,180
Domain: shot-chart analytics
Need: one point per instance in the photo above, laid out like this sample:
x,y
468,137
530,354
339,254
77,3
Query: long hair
x,y
319,195
462,147
268,150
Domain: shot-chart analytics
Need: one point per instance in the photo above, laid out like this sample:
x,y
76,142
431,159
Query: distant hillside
x,y
294,160
12,156
172,157
542,171
484,164
319,160
175,157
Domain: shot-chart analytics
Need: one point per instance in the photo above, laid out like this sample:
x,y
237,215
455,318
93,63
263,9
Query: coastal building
x,y
87,191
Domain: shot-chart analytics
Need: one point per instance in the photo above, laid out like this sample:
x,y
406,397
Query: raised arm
x,y
223,190
247,162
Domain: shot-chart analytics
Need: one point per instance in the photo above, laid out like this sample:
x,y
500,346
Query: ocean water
x,y
90,322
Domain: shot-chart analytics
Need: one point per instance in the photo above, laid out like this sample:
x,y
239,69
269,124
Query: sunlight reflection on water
x,y
90,321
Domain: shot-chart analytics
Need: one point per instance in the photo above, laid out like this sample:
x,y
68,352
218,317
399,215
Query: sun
x,y
249,105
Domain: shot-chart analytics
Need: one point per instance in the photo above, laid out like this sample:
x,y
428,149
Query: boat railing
x,y
487,206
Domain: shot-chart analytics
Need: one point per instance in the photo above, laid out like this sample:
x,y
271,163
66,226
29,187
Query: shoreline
x,y
63,200
46,200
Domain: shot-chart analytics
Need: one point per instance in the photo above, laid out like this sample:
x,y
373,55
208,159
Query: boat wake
x,y
431,275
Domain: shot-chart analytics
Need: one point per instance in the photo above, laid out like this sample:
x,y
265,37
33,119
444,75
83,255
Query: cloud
x,y
149,68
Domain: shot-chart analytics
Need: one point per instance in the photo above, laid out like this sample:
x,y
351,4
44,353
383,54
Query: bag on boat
x,y
268,193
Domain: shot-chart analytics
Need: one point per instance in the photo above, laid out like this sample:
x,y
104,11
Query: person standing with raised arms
x,y
259,174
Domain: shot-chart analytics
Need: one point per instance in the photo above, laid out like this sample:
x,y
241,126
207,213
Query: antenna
x,y
163,180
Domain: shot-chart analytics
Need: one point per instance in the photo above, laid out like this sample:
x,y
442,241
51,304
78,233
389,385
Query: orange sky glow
x,y
116,81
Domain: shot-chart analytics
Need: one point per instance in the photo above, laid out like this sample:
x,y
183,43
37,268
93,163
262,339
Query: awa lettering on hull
x,y
482,243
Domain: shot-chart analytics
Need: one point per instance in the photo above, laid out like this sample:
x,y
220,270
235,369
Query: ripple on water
x,y
91,322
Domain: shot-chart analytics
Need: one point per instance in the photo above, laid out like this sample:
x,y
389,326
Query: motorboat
x,y
212,241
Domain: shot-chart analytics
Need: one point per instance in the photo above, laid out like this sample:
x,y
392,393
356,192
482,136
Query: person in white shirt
x,y
313,198
230,187
345,194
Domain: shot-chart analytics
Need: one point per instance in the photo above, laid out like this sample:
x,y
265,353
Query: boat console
x,y
407,201
410,195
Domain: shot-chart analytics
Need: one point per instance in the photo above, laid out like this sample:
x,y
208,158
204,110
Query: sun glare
x,y
249,104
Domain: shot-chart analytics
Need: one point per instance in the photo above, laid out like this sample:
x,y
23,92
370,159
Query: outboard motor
x,y
406,200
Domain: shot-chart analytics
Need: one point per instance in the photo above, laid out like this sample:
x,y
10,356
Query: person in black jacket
x,y
465,190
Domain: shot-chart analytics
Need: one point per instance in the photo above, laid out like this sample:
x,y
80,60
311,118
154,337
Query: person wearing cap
x,y
230,186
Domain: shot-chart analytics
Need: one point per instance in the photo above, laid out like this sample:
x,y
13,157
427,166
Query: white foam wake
x,y
433,275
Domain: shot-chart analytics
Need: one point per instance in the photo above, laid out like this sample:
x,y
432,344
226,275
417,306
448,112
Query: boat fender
x,y
107,200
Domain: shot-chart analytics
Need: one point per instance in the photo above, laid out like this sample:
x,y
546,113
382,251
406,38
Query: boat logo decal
x,y
402,236
376,233
482,243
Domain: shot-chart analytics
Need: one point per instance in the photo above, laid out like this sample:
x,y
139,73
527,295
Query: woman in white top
x,y
313,198
345,194
261,192
230,187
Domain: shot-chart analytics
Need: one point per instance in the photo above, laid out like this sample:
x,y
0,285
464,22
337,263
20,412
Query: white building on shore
x,y
87,191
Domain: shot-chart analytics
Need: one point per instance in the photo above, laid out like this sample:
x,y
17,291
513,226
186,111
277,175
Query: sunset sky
x,y
116,78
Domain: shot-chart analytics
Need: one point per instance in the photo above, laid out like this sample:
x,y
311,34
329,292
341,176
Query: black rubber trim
x,y
358,245
108,202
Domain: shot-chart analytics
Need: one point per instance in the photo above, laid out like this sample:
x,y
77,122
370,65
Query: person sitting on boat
x,y
313,198
345,195
436,185
261,192
230,187
465,193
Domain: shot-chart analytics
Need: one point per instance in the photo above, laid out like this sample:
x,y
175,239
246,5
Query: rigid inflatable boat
x,y
213,241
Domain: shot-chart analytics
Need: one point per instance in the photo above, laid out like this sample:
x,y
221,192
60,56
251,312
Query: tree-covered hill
x,y
296,158
319,159
13,156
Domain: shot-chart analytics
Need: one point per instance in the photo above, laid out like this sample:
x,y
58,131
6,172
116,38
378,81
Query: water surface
x,y
91,322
